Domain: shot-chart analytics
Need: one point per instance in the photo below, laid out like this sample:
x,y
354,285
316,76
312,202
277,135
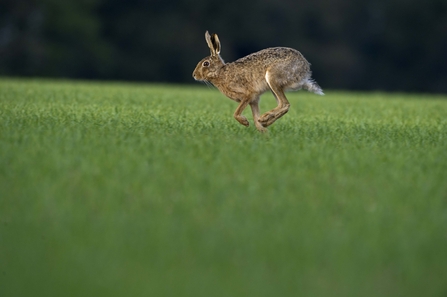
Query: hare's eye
x,y
206,64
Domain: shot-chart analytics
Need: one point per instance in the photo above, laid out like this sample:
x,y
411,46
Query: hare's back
x,y
275,56
285,65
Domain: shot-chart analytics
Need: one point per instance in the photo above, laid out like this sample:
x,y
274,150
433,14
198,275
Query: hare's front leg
x,y
255,111
238,113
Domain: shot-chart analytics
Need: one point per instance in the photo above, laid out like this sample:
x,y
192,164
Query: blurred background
x,y
388,45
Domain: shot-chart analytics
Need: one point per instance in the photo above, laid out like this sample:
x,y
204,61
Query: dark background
x,y
389,45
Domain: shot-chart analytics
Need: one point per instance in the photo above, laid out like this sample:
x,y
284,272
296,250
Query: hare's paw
x,y
261,129
243,120
266,119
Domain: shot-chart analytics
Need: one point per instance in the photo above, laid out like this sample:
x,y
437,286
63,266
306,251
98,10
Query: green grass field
x,y
155,190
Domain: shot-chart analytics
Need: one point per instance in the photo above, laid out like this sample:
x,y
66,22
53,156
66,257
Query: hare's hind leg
x,y
271,116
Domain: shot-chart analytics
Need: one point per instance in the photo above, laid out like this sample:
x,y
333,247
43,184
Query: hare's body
x,y
237,80
244,80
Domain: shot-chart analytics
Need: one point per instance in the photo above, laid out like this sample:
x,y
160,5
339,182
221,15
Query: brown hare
x,y
245,80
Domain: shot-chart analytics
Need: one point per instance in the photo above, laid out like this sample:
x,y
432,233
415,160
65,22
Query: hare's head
x,y
208,68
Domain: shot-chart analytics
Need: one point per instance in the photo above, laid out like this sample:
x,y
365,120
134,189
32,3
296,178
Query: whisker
x,y
206,83
210,85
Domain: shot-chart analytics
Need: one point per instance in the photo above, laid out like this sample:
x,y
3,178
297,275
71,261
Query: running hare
x,y
245,80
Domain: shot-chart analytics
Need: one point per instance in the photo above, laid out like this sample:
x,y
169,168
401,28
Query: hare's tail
x,y
312,86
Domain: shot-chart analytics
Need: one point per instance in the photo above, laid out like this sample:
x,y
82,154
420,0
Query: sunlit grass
x,y
155,190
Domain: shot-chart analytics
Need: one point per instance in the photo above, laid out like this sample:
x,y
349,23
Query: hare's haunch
x,y
276,69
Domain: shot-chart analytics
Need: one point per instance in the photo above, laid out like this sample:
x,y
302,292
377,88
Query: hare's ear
x,y
213,43
209,42
216,43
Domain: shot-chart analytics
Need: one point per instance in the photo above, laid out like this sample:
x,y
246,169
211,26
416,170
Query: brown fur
x,y
245,80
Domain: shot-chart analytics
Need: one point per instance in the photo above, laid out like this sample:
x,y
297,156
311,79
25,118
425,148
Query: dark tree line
x,y
373,44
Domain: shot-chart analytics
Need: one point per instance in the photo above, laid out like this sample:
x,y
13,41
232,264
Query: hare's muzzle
x,y
195,76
